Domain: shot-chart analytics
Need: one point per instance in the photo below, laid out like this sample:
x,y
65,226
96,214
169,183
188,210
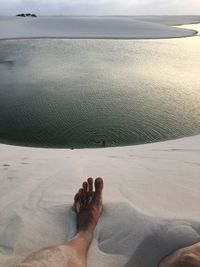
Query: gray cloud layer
x,y
100,7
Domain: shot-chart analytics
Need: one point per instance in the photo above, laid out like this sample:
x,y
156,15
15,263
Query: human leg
x,y
88,207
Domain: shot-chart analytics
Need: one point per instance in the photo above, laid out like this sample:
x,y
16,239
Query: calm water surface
x,y
92,93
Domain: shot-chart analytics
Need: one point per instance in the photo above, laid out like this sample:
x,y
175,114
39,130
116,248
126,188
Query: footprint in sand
x,y
10,235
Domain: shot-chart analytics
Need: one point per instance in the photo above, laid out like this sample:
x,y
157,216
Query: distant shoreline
x,y
100,38
99,28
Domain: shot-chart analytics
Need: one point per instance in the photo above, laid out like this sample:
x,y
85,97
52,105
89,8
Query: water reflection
x,y
96,93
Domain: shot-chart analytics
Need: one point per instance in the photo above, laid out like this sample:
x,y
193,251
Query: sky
x,y
100,7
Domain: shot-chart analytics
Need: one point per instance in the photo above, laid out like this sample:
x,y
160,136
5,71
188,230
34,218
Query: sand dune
x,y
86,27
151,200
151,191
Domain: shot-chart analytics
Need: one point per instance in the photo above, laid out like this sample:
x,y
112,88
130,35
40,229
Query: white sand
x,y
87,27
151,200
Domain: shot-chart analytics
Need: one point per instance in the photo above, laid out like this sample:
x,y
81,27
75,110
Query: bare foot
x,y
184,257
88,205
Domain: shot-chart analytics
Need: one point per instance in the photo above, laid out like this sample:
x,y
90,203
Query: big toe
x,y
98,184
98,188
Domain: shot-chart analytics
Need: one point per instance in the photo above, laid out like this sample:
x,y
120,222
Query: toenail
x,y
99,180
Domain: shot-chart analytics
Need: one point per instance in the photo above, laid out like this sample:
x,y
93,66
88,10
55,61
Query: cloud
x,y
98,7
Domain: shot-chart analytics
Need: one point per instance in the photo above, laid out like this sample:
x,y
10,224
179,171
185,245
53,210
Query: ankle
x,y
81,241
85,234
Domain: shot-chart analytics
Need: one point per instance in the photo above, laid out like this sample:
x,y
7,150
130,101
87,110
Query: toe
x,y
90,185
85,193
85,189
81,197
98,185
98,191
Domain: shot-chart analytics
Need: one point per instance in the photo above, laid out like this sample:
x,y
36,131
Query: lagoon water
x,y
93,93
